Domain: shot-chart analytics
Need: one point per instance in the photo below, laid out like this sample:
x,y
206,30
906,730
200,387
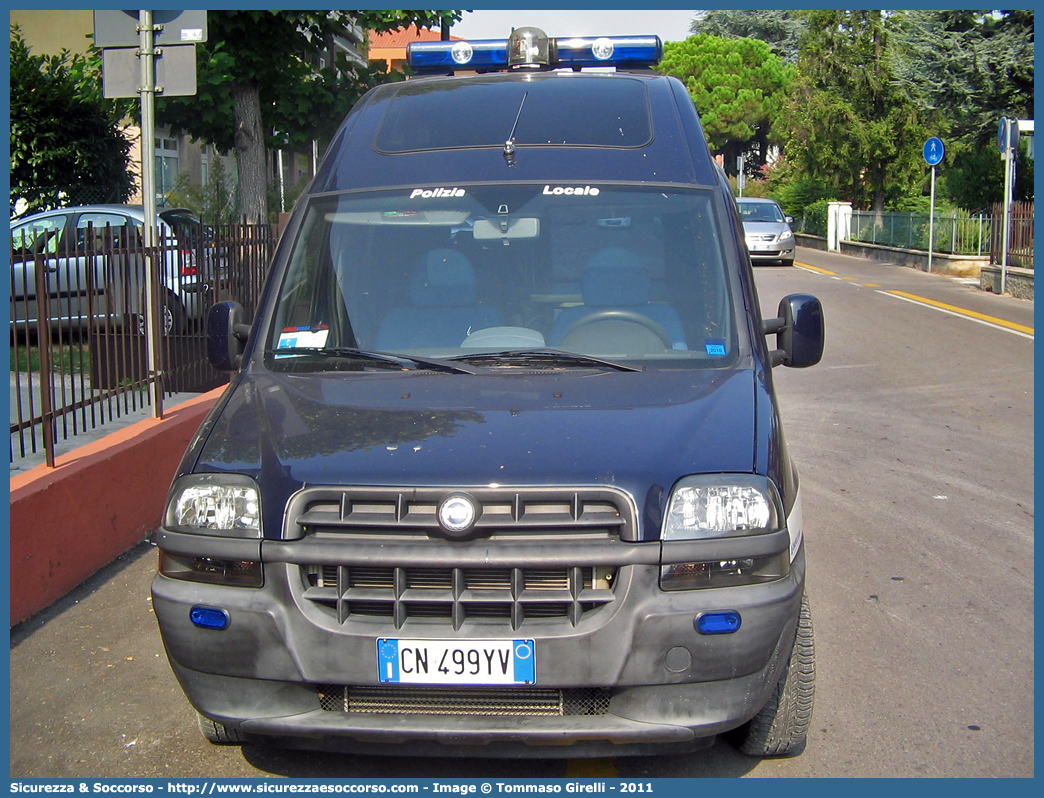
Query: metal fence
x,y
1020,235
956,233
79,344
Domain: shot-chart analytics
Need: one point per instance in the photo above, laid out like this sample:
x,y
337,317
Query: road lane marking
x,y
981,318
815,269
989,321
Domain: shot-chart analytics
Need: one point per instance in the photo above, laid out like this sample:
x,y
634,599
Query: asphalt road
x,y
914,438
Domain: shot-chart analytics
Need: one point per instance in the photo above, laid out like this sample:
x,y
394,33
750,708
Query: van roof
x,y
565,126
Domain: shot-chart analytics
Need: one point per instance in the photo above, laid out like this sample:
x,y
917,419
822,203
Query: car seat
x,y
615,278
444,308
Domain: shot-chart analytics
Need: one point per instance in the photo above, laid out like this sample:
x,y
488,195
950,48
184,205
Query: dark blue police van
x,y
500,470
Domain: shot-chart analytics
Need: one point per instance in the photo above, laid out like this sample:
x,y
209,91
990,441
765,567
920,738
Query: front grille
x,y
379,553
464,701
501,511
457,595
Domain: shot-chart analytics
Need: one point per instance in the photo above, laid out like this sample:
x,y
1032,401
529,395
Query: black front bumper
x,y
669,687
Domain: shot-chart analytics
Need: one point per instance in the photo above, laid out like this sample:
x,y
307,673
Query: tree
x,y
66,143
738,87
259,85
780,30
972,67
967,69
975,178
849,123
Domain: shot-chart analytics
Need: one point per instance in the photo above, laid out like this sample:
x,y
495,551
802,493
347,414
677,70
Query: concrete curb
x,y
98,502
1018,281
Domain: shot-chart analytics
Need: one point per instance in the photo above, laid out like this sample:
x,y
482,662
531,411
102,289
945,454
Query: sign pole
x,y
1007,221
933,151
1008,143
931,221
147,92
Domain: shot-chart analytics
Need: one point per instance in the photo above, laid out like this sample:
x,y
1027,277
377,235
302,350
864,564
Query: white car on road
x,y
767,230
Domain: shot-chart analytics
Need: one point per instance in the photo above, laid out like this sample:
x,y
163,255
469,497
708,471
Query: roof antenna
x,y
509,145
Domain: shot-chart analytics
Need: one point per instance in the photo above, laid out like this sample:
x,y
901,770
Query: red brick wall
x,y
99,501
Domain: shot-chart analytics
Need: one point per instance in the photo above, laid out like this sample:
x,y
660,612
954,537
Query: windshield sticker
x,y
571,191
436,193
715,346
292,337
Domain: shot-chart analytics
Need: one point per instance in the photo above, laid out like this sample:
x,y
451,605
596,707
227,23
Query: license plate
x,y
456,661
762,247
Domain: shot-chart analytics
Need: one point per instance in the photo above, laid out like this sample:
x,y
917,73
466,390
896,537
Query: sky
x,y
670,26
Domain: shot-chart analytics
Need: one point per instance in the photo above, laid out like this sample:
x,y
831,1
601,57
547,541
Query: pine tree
x,y
780,30
850,124
737,86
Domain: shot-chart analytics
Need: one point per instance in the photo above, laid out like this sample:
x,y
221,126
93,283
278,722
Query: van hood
x,y
636,431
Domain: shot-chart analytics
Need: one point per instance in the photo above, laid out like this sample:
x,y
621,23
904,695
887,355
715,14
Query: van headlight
x,y
721,505
215,504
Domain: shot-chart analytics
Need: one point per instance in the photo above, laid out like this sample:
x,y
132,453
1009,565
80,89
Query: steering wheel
x,y
630,316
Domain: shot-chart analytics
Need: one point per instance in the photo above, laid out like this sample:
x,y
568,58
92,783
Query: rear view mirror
x,y
227,334
486,229
800,332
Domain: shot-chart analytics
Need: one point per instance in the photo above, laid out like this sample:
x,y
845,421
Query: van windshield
x,y
472,272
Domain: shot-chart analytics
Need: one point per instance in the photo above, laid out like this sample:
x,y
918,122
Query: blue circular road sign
x,y
934,151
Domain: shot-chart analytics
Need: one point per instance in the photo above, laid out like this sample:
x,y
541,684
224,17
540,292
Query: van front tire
x,y
780,728
218,733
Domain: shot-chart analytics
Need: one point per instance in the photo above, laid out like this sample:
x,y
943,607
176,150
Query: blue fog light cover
x,y
209,618
718,623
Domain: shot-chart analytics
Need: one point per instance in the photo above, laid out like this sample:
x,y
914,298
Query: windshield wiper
x,y
549,357
404,362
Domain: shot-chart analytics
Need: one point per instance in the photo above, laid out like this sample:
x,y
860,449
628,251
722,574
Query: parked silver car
x,y
767,230
95,267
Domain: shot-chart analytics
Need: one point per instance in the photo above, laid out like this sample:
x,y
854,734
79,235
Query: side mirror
x,y
227,334
799,330
789,219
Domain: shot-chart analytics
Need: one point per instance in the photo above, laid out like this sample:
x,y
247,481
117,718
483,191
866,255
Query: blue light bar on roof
x,y
572,53
447,56
618,51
